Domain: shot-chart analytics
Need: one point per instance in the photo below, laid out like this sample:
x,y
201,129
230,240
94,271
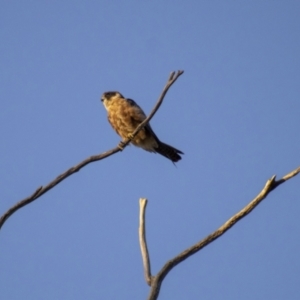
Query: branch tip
x,y
143,201
171,75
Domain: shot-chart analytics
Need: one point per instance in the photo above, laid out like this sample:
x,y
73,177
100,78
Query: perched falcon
x,y
125,115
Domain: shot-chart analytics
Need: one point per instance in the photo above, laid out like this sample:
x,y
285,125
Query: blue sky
x,y
234,113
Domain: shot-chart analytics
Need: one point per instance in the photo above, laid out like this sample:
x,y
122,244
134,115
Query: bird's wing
x,y
137,116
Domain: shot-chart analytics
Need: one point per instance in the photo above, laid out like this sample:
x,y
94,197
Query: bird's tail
x,y
169,152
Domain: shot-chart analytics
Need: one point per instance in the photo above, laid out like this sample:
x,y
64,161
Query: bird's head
x,y
108,97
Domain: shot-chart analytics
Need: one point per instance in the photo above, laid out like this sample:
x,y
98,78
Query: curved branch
x,y
43,189
270,185
143,242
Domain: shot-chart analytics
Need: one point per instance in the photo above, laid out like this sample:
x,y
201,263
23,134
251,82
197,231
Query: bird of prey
x,y
124,115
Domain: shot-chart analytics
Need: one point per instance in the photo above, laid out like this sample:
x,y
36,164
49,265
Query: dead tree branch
x,y
143,242
156,281
43,189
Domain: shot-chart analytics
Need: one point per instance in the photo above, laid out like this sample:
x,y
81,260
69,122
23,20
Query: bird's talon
x,y
121,146
130,136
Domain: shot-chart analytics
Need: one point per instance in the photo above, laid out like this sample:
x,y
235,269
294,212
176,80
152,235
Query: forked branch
x,y
43,189
156,281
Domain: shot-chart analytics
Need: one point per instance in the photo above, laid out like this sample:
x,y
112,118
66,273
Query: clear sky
x,y
235,113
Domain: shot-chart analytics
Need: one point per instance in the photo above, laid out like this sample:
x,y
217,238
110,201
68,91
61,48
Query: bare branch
x,y
42,190
143,242
270,185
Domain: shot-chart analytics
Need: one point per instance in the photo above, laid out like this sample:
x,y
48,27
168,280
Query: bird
x,y
124,115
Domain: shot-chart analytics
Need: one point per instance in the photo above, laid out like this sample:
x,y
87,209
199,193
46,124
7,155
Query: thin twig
x,y
270,185
43,189
143,242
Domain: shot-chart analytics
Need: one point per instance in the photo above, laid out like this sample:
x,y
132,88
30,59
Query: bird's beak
x,y
102,99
